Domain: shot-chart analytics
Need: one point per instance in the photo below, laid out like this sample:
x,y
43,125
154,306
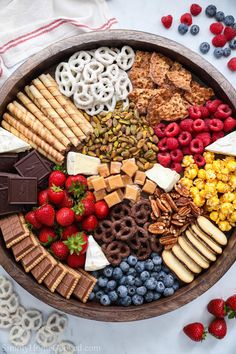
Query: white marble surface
x,y
162,334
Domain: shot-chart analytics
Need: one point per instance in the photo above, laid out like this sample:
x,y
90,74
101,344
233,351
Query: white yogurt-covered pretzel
x,y
5,318
78,60
32,320
91,71
105,55
17,316
102,91
65,79
123,86
6,288
11,303
82,96
45,338
95,109
19,336
65,348
56,323
125,58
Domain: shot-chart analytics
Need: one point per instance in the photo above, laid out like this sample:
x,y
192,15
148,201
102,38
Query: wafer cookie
x,y
43,268
34,257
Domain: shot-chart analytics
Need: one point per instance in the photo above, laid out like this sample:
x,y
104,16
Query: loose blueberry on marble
x,y
204,47
232,44
182,28
218,53
226,52
211,10
194,30
229,20
220,16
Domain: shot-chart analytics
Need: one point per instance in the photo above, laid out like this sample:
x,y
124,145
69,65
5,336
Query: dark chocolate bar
x,y
4,178
5,207
22,190
7,162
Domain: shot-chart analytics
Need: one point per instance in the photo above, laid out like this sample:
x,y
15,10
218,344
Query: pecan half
x,y
182,190
184,210
196,211
177,222
157,228
170,201
156,211
182,201
161,206
174,195
168,240
166,204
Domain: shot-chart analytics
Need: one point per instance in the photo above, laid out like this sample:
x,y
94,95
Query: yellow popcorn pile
x,y
213,187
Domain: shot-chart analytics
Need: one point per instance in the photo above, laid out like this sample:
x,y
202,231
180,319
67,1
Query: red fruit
x,y
162,145
194,112
196,146
55,195
76,260
199,125
217,135
231,306
77,243
205,138
216,27
90,196
185,138
186,150
229,33
159,130
47,236
65,216
199,160
218,328
167,21
219,40
229,124
76,185
43,197
101,209
90,223
88,206
68,231
172,143
59,250
213,105
164,158
57,178
67,201
223,111
195,331
186,19
204,111
176,166
79,211
195,9
216,125
45,214
31,219
176,155
232,64
186,125
172,130
217,308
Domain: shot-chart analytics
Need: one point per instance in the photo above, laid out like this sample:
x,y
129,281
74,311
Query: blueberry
x,y
211,11
131,290
151,283
124,266
165,269
229,20
204,47
102,282
160,287
157,268
138,282
156,296
108,271
232,44
95,274
149,296
176,285
182,28
105,300
91,296
149,265
144,275
161,275
113,296
139,266
111,285
99,294
125,301
154,274
234,26
132,260
141,290
137,300
123,280
220,16
194,30
96,288
122,291
218,53
117,273
168,280
168,292
157,260
130,280
154,254
132,271
227,51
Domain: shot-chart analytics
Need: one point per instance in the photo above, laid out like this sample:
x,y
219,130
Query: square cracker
x,y
180,77
198,94
141,98
159,67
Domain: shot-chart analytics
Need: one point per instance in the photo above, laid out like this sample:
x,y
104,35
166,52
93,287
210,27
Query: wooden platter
x,y
44,61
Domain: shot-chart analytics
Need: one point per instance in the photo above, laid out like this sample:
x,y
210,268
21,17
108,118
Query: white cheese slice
x,y
225,145
84,164
10,143
95,258
164,177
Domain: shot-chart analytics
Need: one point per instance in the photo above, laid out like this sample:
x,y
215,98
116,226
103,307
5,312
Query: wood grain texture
x,y
45,61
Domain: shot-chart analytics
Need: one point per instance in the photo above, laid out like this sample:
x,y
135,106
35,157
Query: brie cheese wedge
x,y
10,143
225,145
95,258
164,177
80,163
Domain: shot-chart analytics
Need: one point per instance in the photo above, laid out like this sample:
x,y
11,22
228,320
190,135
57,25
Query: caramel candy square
x,y
98,183
140,178
115,182
132,192
127,180
103,170
89,181
114,198
115,167
149,187
99,195
108,189
129,167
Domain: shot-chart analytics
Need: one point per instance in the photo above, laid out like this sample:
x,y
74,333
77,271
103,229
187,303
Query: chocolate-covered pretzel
x,y
155,244
119,211
141,211
144,251
124,229
104,232
116,251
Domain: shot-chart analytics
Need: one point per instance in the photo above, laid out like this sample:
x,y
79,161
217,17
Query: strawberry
x,y
45,214
77,243
68,231
101,209
65,216
31,219
231,306
55,195
218,328
76,185
79,212
47,235
59,250
76,260
167,21
67,201
89,195
217,308
195,331
88,206
90,223
57,178
43,197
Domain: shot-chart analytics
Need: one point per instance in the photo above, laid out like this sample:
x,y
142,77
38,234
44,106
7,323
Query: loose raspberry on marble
x,y
216,125
164,158
176,166
232,64
204,111
163,144
217,135
199,160
159,130
229,124
223,111
172,143
195,9
205,138
186,19
199,125
229,33
186,125
219,41
213,105
196,146
216,28
172,130
176,155
167,21
194,112
185,138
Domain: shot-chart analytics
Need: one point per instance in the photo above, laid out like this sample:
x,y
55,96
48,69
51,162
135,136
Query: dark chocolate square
x,y
4,178
22,190
7,162
5,207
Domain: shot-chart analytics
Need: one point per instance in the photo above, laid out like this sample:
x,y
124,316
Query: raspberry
x,y
216,125
216,28
162,144
159,130
185,138
207,122
167,21
176,166
172,143
186,125
176,155
232,64
199,160
205,138
195,9
204,111
229,33
219,41
164,158
186,19
229,124
217,135
194,112
199,125
172,130
213,105
186,150
223,111
196,146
